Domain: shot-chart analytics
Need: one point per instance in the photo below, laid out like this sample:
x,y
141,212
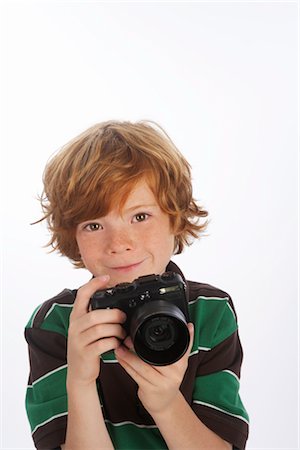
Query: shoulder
x,y
208,294
197,289
212,311
53,313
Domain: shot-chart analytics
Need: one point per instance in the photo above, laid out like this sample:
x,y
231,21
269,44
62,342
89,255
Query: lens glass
x,y
159,333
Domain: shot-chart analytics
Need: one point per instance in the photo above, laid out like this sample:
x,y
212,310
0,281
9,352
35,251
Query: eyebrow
x,y
132,208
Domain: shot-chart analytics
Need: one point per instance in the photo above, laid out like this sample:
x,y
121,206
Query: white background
x,y
221,78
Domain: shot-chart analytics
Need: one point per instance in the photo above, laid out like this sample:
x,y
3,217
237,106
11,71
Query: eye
x,y
140,217
93,227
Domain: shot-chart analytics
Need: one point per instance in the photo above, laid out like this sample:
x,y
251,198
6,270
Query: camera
x,y
157,315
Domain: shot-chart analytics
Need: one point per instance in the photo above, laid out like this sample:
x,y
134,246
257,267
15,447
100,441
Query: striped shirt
x,y
210,385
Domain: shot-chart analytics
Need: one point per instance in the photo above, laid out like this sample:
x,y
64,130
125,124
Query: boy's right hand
x,y
91,333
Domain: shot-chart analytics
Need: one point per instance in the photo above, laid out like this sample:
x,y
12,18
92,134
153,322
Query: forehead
x,y
141,195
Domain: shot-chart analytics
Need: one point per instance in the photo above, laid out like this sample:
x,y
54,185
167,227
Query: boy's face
x,y
125,245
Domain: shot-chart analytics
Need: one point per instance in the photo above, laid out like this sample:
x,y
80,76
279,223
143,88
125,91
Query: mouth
x,y
127,268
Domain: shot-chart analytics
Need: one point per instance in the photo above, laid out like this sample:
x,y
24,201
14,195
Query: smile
x,y
127,268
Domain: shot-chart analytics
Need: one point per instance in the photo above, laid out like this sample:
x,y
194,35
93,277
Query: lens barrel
x,y
159,333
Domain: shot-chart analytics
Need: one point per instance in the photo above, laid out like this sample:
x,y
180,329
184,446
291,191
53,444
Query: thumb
x,y
192,333
84,294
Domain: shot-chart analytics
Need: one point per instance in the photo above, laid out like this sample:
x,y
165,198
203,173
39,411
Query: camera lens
x,y
159,333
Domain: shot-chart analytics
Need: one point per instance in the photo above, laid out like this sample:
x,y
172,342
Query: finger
x,y
192,333
139,379
133,365
94,318
100,316
138,369
102,331
102,346
128,343
84,294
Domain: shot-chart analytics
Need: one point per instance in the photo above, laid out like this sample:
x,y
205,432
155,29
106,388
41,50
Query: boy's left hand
x,y
158,385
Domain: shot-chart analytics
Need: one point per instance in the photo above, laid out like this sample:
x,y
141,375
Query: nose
x,y
120,241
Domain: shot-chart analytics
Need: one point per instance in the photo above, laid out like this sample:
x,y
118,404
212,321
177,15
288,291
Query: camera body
x,y
157,315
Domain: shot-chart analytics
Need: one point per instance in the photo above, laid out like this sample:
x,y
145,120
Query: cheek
x,y
80,246
172,245
85,247
164,244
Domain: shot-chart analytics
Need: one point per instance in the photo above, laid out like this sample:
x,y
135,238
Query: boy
x,y
118,201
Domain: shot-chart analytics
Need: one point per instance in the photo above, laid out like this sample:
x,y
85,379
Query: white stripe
x,y
110,360
232,374
202,297
205,349
34,316
130,423
231,311
221,410
57,304
49,420
48,375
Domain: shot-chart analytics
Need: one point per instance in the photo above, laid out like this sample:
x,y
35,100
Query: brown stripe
x,y
227,427
66,296
227,355
198,289
42,361
51,435
118,388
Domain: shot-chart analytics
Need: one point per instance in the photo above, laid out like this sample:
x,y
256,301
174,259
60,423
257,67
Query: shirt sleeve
x,y
217,356
46,396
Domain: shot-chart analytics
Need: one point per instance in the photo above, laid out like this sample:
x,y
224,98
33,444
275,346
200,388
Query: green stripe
x,y
40,404
48,420
30,321
214,321
57,319
109,356
220,390
130,436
